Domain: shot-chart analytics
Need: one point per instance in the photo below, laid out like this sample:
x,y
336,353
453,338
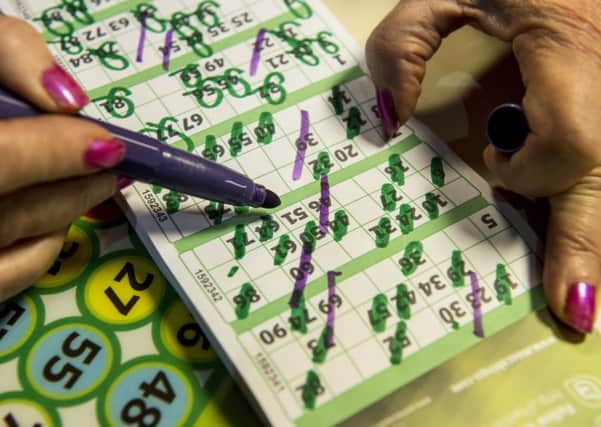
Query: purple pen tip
x,y
271,200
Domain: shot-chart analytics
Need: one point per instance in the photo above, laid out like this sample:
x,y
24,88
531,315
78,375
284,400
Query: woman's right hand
x,y
557,44
50,166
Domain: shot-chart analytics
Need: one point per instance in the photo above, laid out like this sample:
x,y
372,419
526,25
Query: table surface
x,y
470,75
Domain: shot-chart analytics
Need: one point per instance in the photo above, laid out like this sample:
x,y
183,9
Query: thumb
x,y
398,49
572,272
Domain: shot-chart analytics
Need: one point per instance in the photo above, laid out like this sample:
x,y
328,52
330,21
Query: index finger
x,y
28,69
398,49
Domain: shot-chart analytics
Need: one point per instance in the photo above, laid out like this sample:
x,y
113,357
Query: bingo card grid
x,y
356,177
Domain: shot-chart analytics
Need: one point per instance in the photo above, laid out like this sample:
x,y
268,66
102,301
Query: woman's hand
x,y
557,44
50,166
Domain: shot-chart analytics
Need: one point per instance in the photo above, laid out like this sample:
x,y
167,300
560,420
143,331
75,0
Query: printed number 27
x,y
128,269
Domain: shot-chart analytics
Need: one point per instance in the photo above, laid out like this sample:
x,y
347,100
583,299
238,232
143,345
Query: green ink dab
x,y
52,16
388,197
190,75
272,90
397,343
117,99
79,11
396,169
205,15
69,44
383,232
266,128
267,229
210,151
503,285
239,241
337,100
195,41
281,251
173,202
437,171
456,271
379,313
215,212
299,8
165,130
147,13
247,296
241,210
309,237
322,165
233,271
354,123
431,206
455,325
405,218
340,225
412,258
320,351
403,302
236,139
299,317
109,57
311,389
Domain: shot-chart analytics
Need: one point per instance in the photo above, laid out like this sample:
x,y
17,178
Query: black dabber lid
x,y
507,128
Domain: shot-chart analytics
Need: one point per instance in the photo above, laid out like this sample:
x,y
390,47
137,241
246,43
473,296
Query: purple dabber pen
x,y
152,161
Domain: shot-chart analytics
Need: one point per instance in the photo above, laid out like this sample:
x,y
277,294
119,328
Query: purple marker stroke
x,y
142,39
167,49
331,305
256,56
324,205
301,146
477,305
301,279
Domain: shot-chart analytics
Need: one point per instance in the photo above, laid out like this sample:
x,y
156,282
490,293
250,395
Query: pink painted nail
x,y
580,306
123,182
390,121
104,154
63,88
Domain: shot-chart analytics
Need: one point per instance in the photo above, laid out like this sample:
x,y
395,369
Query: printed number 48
x,y
137,412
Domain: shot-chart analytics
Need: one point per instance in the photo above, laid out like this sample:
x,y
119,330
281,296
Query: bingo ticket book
x,y
384,260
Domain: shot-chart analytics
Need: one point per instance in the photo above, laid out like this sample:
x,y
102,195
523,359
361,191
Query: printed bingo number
x,y
70,361
124,290
16,410
70,263
19,317
182,337
149,394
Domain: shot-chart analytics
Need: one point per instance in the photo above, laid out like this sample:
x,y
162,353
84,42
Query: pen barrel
x,y
154,162
13,108
157,163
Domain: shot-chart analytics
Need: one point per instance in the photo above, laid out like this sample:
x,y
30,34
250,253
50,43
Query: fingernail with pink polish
x,y
580,306
63,88
123,182
388,115
104,154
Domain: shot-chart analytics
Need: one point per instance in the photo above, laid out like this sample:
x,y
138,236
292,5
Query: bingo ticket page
x,y
385,258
